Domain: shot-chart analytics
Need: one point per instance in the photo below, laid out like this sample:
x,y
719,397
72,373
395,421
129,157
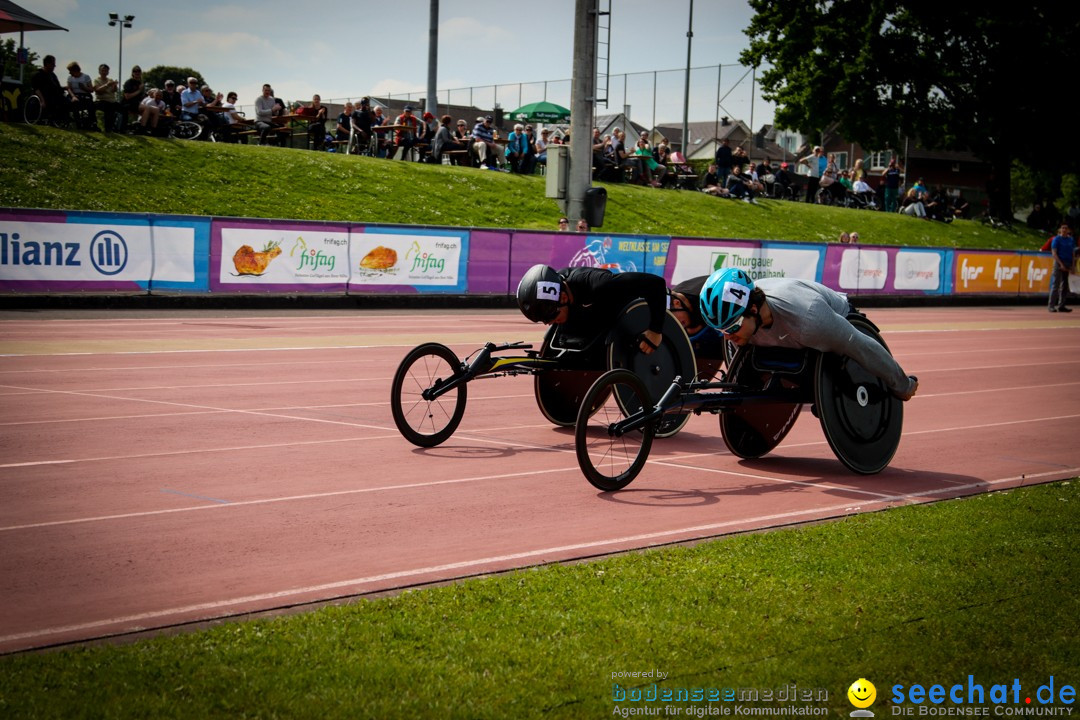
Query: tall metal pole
x,y
583,98
432,105
686,91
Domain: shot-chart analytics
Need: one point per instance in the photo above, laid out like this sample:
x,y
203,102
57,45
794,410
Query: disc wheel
x,y
750,431
611,462
559,393
674,357
185,130
427,423
861,419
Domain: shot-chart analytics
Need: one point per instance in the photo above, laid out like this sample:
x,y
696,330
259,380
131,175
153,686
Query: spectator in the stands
x,y
106,90
316,115
54,103
80,87
483,143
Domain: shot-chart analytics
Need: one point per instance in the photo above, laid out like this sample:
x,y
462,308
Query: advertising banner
x,y
102,252
1035,273
688,258
876,270
254,257
618,253
417,260
489,262
986,272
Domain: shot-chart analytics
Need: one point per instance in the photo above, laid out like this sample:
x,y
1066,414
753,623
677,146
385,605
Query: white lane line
x,y
355,584
133,388
289,498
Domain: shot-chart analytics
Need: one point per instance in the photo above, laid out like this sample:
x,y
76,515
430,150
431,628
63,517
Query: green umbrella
x,y
541,112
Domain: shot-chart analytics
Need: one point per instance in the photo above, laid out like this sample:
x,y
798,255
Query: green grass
x,y
46,168
984,586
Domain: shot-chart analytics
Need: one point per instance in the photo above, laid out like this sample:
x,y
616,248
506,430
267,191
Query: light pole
x,y
115,21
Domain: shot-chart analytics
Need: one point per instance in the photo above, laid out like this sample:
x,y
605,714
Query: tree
x,y
157,75
954,75
9,49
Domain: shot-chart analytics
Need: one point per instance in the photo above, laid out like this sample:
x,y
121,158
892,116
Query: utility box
x,y
595,205
558,172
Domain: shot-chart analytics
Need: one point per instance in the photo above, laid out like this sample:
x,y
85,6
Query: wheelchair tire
x,y
185,130
32,110
559,393
861,419
750,431
427,423
608,462
674,357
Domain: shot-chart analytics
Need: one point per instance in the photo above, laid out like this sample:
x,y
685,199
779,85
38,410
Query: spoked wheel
x,y
32,110
611,462
427,423
185,130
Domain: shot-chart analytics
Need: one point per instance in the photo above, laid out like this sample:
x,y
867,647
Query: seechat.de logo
x,y
108,252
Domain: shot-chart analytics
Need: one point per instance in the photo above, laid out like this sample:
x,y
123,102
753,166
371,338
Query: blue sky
x,y
348,49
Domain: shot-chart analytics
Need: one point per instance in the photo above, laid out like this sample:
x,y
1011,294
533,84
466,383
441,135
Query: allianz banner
x,y
43,251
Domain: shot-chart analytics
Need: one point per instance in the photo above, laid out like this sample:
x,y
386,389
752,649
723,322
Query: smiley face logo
x,y
862,693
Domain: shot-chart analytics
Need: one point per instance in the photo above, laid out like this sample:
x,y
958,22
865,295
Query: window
x,y
879,160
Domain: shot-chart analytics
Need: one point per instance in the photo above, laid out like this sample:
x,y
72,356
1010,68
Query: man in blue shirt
x,y
1063,248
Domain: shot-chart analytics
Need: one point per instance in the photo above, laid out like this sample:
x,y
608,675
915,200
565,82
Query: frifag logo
x,y
427,262
310,258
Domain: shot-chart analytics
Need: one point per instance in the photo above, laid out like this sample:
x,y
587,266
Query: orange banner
x,y
989,272
1036,274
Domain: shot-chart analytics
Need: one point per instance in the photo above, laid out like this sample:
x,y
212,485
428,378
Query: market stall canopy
x,y
540,112
16,19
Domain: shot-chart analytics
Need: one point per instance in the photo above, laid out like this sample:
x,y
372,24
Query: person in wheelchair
x,y
684,302
585,303
791,313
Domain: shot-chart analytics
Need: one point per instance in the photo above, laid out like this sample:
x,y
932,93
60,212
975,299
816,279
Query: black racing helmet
x,y
538,293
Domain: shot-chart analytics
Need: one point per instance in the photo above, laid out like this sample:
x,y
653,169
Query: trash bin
x,y
595,205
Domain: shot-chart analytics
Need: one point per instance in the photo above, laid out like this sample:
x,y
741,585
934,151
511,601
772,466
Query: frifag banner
x,y
254,257
403,259
987,272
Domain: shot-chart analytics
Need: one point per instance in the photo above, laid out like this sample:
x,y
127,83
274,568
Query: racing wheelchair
x,y
758,399
430,387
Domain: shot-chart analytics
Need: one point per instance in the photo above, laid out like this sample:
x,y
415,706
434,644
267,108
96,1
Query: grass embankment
x,y
47,168
984,586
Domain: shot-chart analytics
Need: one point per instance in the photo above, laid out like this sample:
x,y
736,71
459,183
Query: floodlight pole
x,y
686,91
583,98
432,103
115,20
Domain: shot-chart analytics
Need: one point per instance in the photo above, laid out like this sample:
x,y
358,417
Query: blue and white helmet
x,y
725,298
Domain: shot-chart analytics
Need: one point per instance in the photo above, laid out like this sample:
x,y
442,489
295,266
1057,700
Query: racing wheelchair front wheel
x,y
427,423
611,462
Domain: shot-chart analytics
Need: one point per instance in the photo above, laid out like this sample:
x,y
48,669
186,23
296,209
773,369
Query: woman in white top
x,y
81,87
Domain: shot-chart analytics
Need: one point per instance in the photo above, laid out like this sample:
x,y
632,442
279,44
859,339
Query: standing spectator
x,y
815,162
362,121
405,136
723,160
892,185
54,104
530,150
1063,249
106,90
264,113
81,88
134,91
315,114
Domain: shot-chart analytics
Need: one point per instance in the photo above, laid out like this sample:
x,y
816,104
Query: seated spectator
x,y
959,205
625,159
739,184
231,118
653,171
483,143
766,176
937,207
406,136
151,111
864,194
344,123
854,238
80,87
782,187
516,147
54,103
662,152
212,115
191,101
444,140
315,114
461,133
540,146
106,91
712,183
171,97
134,91
912,204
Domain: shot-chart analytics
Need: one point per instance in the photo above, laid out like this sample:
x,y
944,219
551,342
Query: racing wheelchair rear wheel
x,y
752,430
611,462
427,423
861,418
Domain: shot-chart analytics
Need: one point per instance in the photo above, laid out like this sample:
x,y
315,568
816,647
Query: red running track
x,y
165,468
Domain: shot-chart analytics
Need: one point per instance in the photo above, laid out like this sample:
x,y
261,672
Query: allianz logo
x,y
108,252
